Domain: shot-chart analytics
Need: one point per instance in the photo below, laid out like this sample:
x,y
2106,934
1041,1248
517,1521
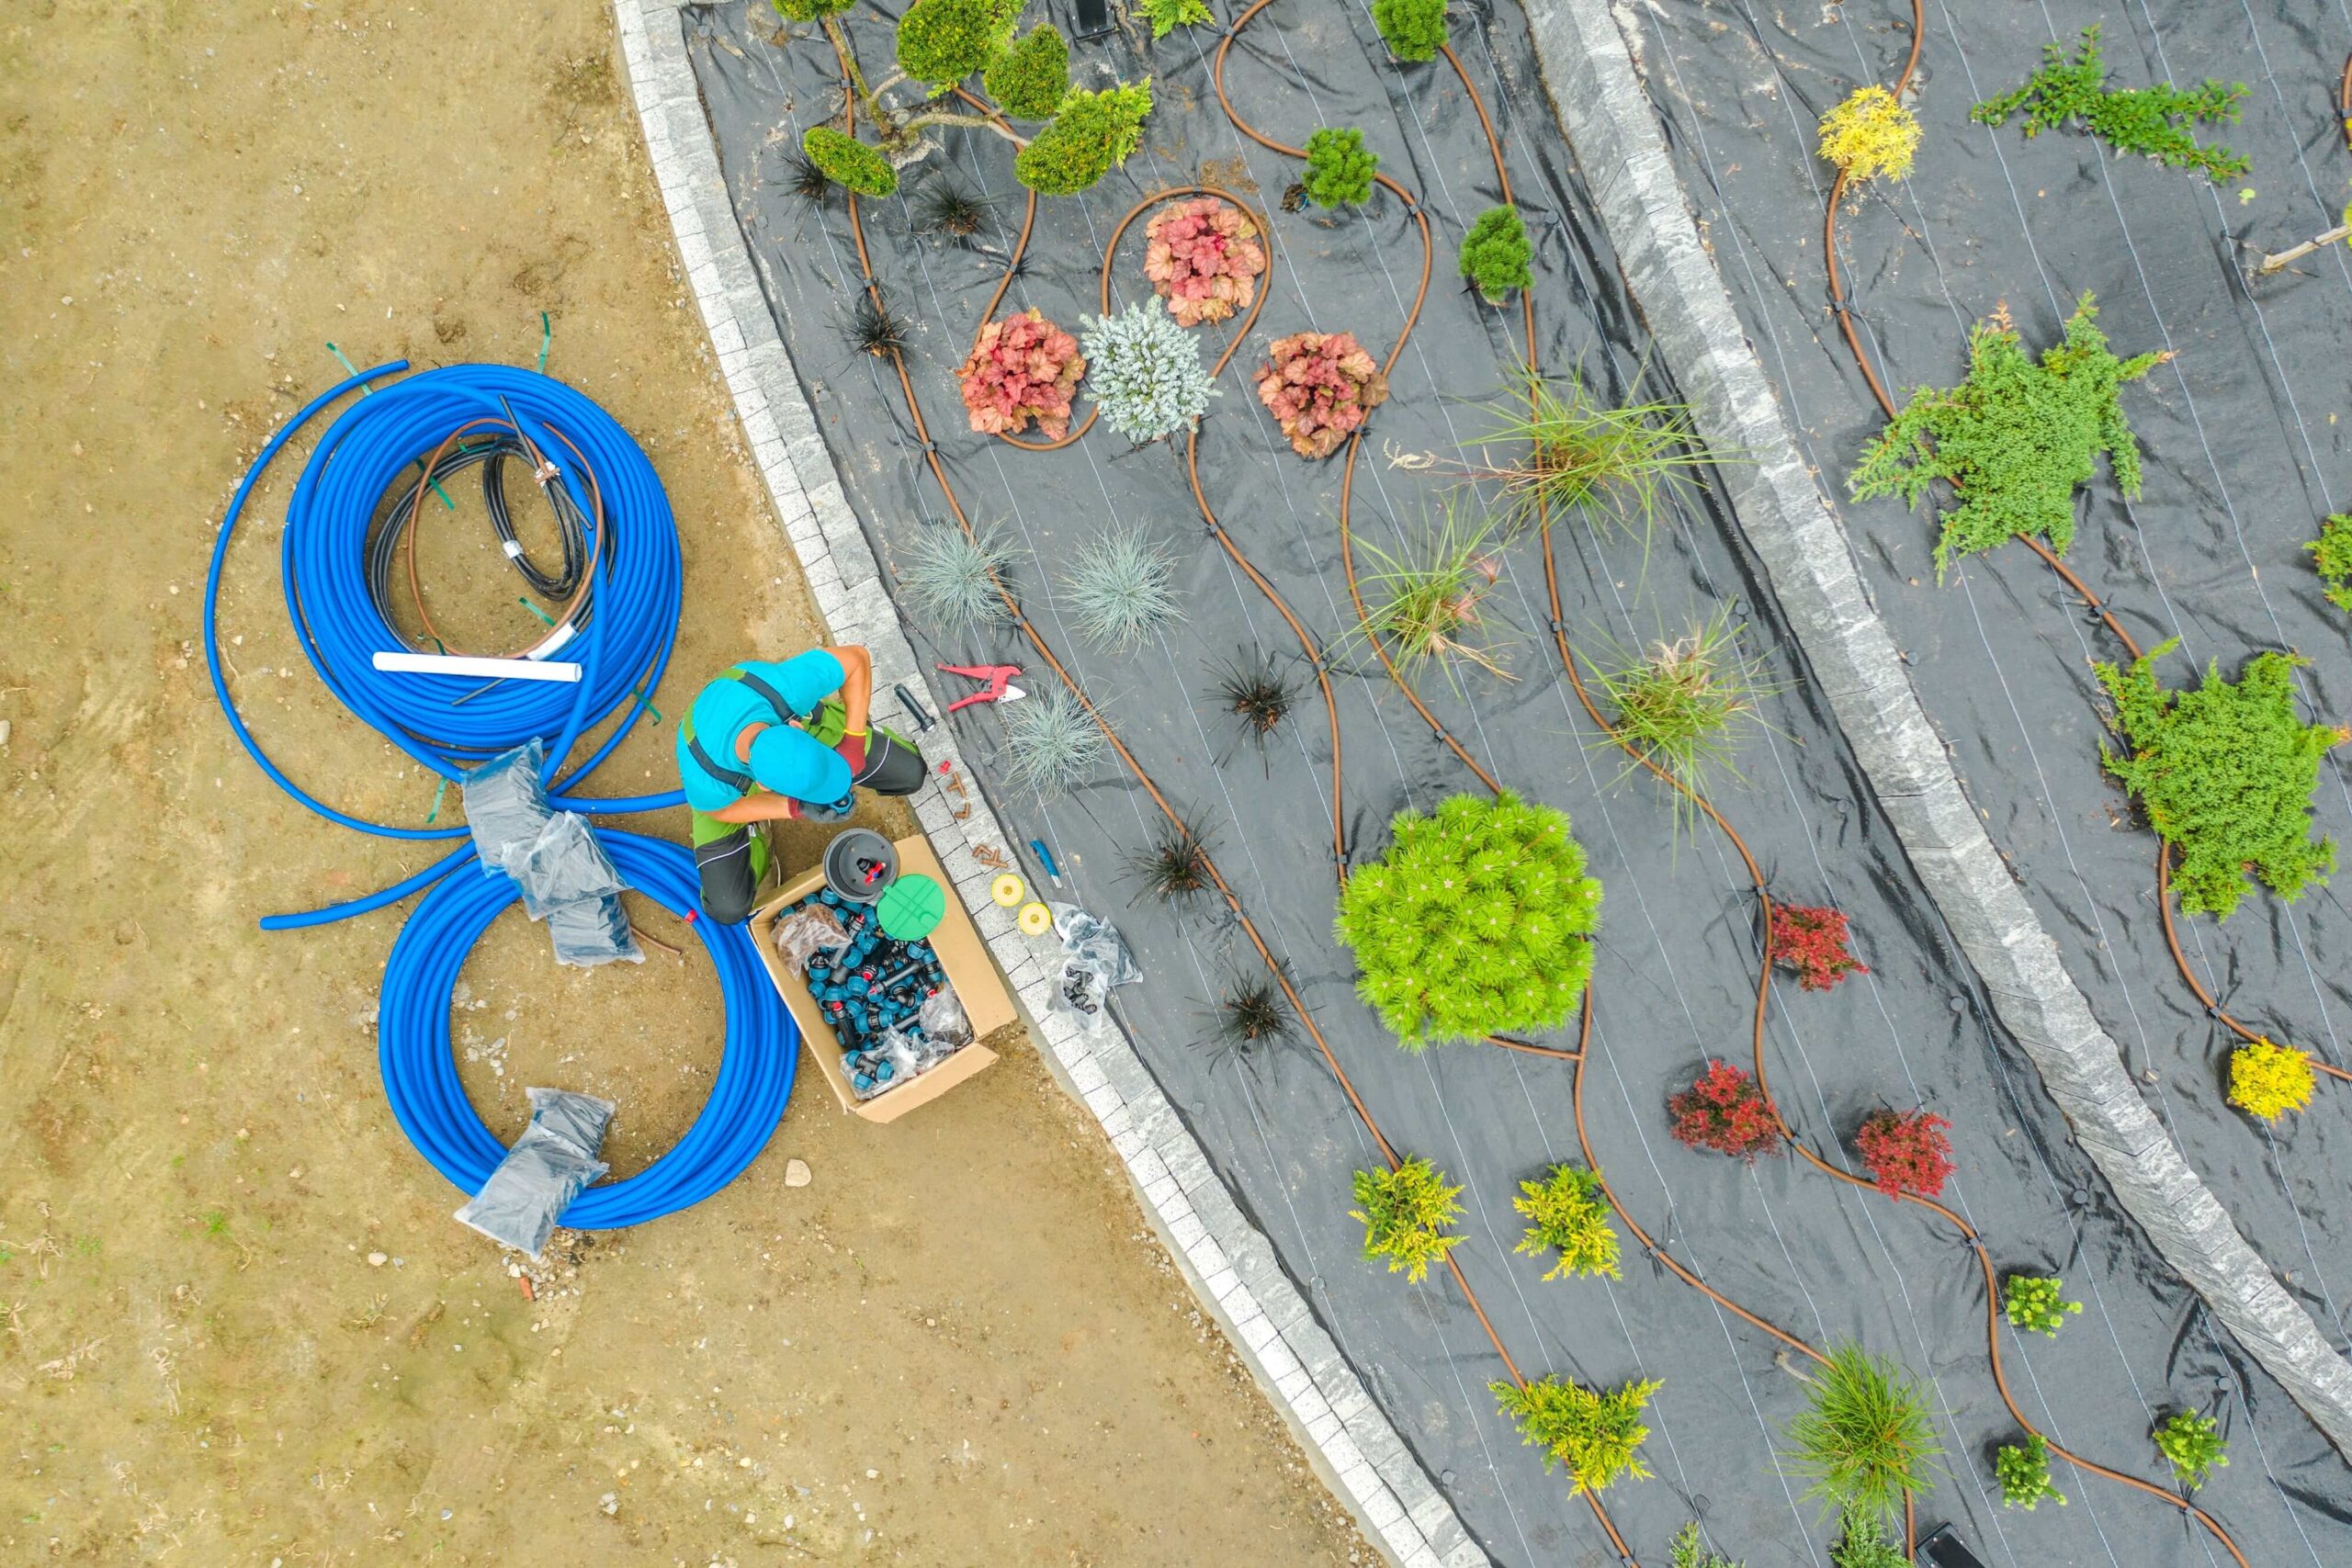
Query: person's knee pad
x,y
892,766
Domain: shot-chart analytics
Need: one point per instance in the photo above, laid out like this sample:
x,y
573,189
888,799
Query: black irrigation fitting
x,y
1838,306
2213,1011
927,447
1412,207
1217,531
1558,625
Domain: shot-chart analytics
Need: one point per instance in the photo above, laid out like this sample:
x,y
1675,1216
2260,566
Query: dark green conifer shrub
x,y
2225,774
1339,167
2152,121
1495,254
1091,135
943,41
809,10
1413,30
1030,78
848,161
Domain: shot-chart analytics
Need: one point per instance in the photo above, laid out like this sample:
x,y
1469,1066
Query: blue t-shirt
x,y
789,761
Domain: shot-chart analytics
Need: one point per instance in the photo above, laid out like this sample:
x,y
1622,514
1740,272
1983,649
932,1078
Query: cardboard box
x,y
971,974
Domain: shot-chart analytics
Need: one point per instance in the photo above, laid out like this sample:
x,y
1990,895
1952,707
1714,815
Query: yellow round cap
x,y
1035,920
1007,890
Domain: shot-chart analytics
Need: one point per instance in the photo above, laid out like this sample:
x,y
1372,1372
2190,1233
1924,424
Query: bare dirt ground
x,y
960,1345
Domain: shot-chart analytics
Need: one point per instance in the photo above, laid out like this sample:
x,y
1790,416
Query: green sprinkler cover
x,y
911,907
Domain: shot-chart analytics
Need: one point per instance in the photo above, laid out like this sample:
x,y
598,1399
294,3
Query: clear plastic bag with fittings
x,y
805,933
563,865
590,931
550,1164
505,803
1094,959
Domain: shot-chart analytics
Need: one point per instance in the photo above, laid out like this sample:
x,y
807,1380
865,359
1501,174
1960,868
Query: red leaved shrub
x,y
1906,1151
1813,942
1204,256
1726,1110
1022,368
1320,386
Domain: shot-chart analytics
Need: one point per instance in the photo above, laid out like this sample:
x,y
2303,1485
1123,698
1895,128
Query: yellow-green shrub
x,y
1869,135
2268,1080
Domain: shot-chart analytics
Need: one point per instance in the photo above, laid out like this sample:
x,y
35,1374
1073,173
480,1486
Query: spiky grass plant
x,y
1251,1012
1407,1214
1866,1442
1051,743
1567,1216
873,328
1686,705
957,578
1622,464
1593,1434
1121,588
946,208
1177,865
1425,603
1254,692
808,179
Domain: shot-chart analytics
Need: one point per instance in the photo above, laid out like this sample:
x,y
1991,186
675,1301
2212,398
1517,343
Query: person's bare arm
x,y
761,806
857,684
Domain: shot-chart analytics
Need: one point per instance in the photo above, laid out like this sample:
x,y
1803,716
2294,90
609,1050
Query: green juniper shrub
x,y
1863,1542
1495,254
2226,773
1338,166
2014,439
2023,1471
1407,1214
1030,78
2193,1444
1414,30
2034,1305
848,161
1091,135
1866,1440
1567,1216
943,41
2152,121
809,10
2331,554
1167,16
1479,917
1593,1434
1690,1551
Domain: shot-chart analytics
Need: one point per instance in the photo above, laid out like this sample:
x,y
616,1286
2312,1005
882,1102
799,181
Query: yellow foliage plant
x,y
2268,1080
1869,135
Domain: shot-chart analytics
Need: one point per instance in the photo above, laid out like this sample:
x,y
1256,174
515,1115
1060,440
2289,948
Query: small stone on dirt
x,y
797,1173
376,1260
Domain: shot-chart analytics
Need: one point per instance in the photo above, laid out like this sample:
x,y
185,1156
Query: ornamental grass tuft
x,y
1252,1012
1424,603
1623,464
1407,1214
1478,919
1593,1434
1051,743
2269,1080
1121,588
2226,773
1684,706
1866,1441
956,579
1567,1216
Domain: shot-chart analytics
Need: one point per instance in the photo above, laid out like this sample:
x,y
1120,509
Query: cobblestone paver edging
x,y
1621,151
1230,1264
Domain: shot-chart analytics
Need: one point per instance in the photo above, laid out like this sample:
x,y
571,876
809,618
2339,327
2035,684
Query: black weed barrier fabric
x,y
1674,982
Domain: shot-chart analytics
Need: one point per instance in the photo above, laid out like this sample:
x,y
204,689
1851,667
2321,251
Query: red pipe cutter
x,y
999,677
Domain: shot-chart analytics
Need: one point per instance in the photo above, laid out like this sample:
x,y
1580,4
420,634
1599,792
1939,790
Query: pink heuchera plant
x,y
1320,386
1022,368
1205,257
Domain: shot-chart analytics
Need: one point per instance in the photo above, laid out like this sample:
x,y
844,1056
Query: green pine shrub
x,y
1339,167
1866,1441
1413,30
1408,1215
1567,1216
943,41
1167,16
1593,1434
2035,1305
1091,135
1690,1551
2014,439
1030,78
849,162
2152,121
2193,1444
2023,1471
2330,555
1478,919
2226,773
1496,252
1863,1542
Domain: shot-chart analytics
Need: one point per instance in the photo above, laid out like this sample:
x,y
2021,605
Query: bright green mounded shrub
x,y
809,10
1029,79
2023,1471
1413,30
1091,135
2193,1444
1593,1434
2037,1303
943,41
1478,919
1167,16
2330,555
2014,439
1338,166
2225,772
1407,1214
1495,254
1567,1216
849,162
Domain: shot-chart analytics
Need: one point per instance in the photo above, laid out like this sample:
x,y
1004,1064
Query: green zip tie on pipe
x,y
547,341
364,391
439,791
545,618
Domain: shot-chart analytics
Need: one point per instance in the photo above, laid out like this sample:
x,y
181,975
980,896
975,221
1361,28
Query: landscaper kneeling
x,y
780,739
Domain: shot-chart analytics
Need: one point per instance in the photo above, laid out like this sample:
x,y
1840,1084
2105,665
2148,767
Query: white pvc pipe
x,y
482,669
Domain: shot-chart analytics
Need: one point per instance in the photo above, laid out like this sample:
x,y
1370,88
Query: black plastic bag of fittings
x,y
589,931
506,806
550,1164
564,864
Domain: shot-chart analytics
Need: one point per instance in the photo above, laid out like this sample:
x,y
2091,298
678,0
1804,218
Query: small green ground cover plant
x,y
2331,555
1685,706
1582,454
1167,16
1869,135
1407,1214
1863,1541
1865,1441
2023,1471
1496,252
2194,1446
2037,1303
2152,121
1690,1551
2226,773
2268,1080
1593,1434
1478,919
1413,30
1567,1216
1339,167
2015,439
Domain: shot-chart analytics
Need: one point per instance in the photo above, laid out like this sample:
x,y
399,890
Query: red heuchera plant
x,y
1813,942
1204,256
1320,386
1906,1151
1022,368
1726,1110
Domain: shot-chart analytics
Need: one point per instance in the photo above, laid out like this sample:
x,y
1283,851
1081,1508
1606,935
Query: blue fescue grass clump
x,y
1121,588
1051,743
1144,372
956,579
